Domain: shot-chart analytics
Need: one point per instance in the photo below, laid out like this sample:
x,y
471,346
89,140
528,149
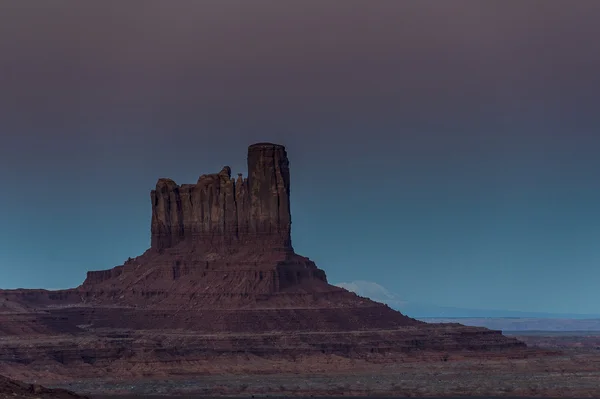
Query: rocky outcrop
x,y
221,213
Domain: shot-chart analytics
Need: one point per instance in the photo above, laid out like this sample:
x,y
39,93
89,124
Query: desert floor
x,y
573,371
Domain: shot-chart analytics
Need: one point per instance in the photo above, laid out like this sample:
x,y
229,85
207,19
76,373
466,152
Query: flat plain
x,y
558,365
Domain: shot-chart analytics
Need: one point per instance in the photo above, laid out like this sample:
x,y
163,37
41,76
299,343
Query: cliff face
x,y
220,212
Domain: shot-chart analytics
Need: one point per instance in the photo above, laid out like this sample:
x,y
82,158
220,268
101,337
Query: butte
x,y
220,279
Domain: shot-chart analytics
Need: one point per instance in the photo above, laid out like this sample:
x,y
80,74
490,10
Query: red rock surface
x,y
221,278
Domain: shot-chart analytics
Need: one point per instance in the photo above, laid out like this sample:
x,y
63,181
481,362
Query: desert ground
x,y
557,365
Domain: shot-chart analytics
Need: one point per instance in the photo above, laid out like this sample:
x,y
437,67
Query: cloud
x,y
373,291
446,314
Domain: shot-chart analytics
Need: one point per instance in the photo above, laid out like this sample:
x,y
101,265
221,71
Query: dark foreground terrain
x,y
556,366
18,390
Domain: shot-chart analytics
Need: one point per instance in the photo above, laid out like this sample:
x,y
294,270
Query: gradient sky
x,y
448,150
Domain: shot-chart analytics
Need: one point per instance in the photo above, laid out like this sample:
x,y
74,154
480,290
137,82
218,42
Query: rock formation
x,y
220,278
228,236
221,213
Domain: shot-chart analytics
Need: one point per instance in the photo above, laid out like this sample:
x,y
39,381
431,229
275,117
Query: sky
x,y
446,150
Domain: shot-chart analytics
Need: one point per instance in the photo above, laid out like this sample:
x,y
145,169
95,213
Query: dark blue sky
x,y
445,150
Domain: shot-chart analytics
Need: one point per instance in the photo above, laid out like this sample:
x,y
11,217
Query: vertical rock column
x,y
269,194
167,220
